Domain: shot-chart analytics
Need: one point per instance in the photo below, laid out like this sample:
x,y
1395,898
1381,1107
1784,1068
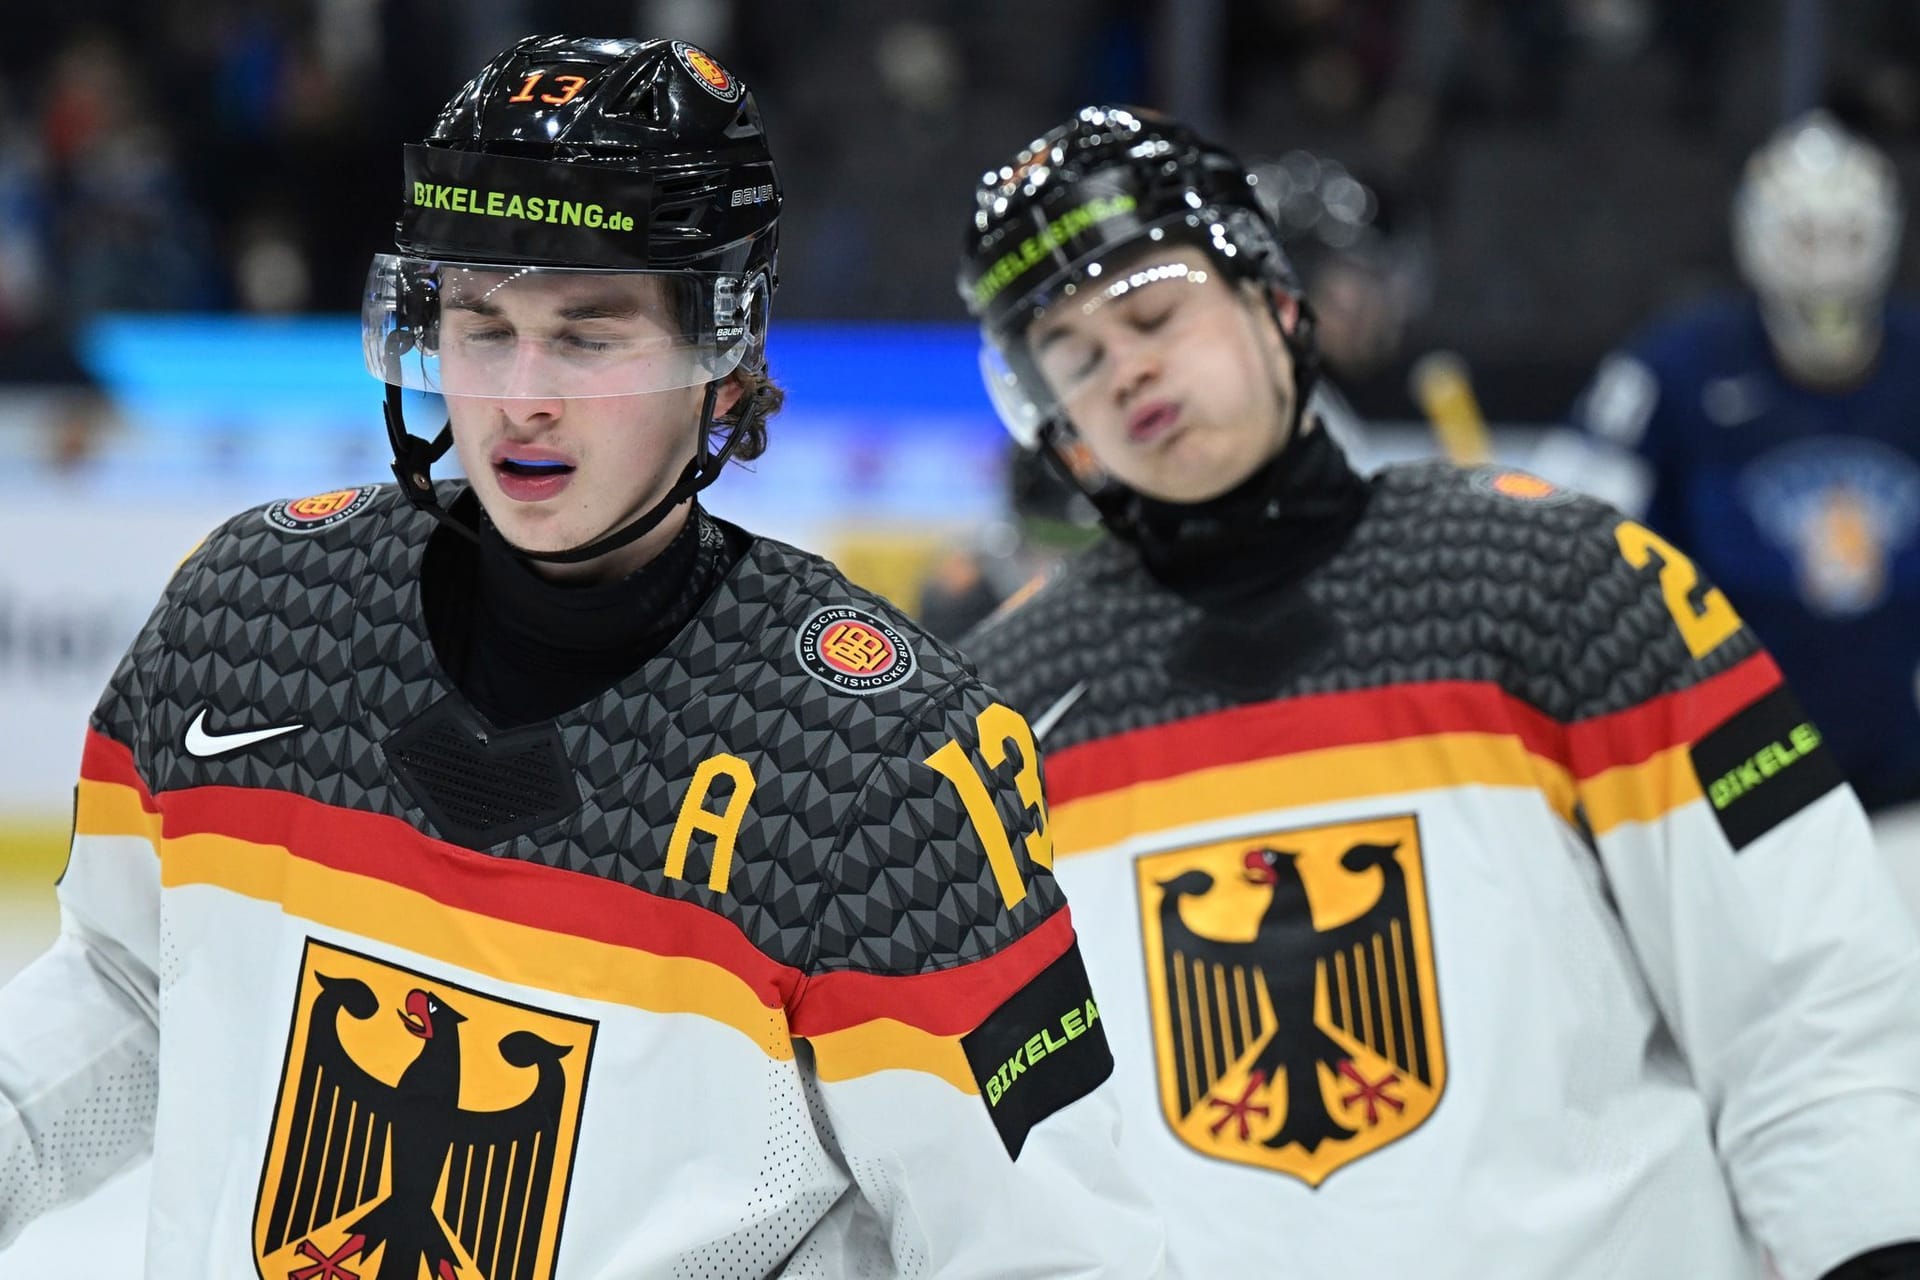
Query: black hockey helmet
x,y
639,163
1109,183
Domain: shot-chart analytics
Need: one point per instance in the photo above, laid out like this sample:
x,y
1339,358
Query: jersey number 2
x,y
1000,727
1705,623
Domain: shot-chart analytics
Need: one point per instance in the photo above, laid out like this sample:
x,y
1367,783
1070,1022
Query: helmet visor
x,y
539,333
1061,357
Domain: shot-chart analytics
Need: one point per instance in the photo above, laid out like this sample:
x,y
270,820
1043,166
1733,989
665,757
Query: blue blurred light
x,y
887,375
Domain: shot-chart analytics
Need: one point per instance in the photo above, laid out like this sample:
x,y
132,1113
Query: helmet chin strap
x,y
413,459
702,469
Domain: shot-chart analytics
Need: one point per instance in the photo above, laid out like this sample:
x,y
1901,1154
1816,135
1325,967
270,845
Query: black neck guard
x,y
523,648
1270,530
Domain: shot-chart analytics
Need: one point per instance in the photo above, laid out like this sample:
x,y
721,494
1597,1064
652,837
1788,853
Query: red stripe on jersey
x,y
948,1002
525,893
1673,719
104,759
1290,726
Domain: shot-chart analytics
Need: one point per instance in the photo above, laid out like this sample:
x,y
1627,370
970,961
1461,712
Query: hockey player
x,y
1045,520
1772,434
1469,895
538,876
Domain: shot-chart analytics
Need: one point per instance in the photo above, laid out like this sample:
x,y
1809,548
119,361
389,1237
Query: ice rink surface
x,y
100,1237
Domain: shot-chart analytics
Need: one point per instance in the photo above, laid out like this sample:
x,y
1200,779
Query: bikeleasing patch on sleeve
x,y
1041,1050
1765,764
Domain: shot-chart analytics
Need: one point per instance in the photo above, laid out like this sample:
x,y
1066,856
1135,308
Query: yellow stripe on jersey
x,y
114,809
509,952
544,959
884,1044
1641,792
1309,778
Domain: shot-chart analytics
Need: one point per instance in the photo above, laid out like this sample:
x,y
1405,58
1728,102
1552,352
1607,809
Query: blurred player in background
x,y
535,875
1046,520
1469,893
1365,261
1776,435
1368,272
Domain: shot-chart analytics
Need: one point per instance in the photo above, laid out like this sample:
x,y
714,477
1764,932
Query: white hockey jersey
x,y
751,966
1479,905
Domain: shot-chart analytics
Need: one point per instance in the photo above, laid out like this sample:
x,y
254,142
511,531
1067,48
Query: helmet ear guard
x,y
750,306
418,308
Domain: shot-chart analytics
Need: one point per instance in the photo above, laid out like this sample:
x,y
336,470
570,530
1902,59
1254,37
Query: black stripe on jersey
x,y
1040,1050
1765,764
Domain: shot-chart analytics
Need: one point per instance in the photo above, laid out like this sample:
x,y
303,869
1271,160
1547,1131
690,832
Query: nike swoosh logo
x,y
203,744
1051,716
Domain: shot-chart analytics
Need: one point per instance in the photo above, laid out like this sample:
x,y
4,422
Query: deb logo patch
x,y
1296,1013
854,650
422,1128
1765,764
712,76
321,511
1042,1049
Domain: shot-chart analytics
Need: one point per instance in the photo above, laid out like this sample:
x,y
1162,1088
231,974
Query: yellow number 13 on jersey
x,y
1000,727
1705,623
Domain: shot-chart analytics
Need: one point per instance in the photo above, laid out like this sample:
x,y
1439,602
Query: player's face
x,y
1175,378
557,472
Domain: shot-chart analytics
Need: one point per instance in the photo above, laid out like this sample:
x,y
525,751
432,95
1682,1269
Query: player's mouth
x,y
531,473
1152,421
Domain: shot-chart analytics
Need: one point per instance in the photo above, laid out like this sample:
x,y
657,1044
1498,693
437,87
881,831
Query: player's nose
x,y
527,393
529,415
1134,362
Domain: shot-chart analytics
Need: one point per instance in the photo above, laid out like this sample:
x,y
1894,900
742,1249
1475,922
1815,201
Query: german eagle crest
x,y
423,1129
1296,1020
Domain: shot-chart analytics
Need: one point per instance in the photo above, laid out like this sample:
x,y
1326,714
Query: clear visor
x,y
1068,349
539,333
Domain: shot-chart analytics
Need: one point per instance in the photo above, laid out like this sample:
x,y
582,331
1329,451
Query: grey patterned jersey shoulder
x,y
1445,578
827,697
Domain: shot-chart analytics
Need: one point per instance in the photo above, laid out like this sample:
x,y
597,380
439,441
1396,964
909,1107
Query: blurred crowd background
x,y
1538,174
190,194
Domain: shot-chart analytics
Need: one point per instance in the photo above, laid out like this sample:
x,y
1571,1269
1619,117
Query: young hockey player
x,y
1469,894
538,876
